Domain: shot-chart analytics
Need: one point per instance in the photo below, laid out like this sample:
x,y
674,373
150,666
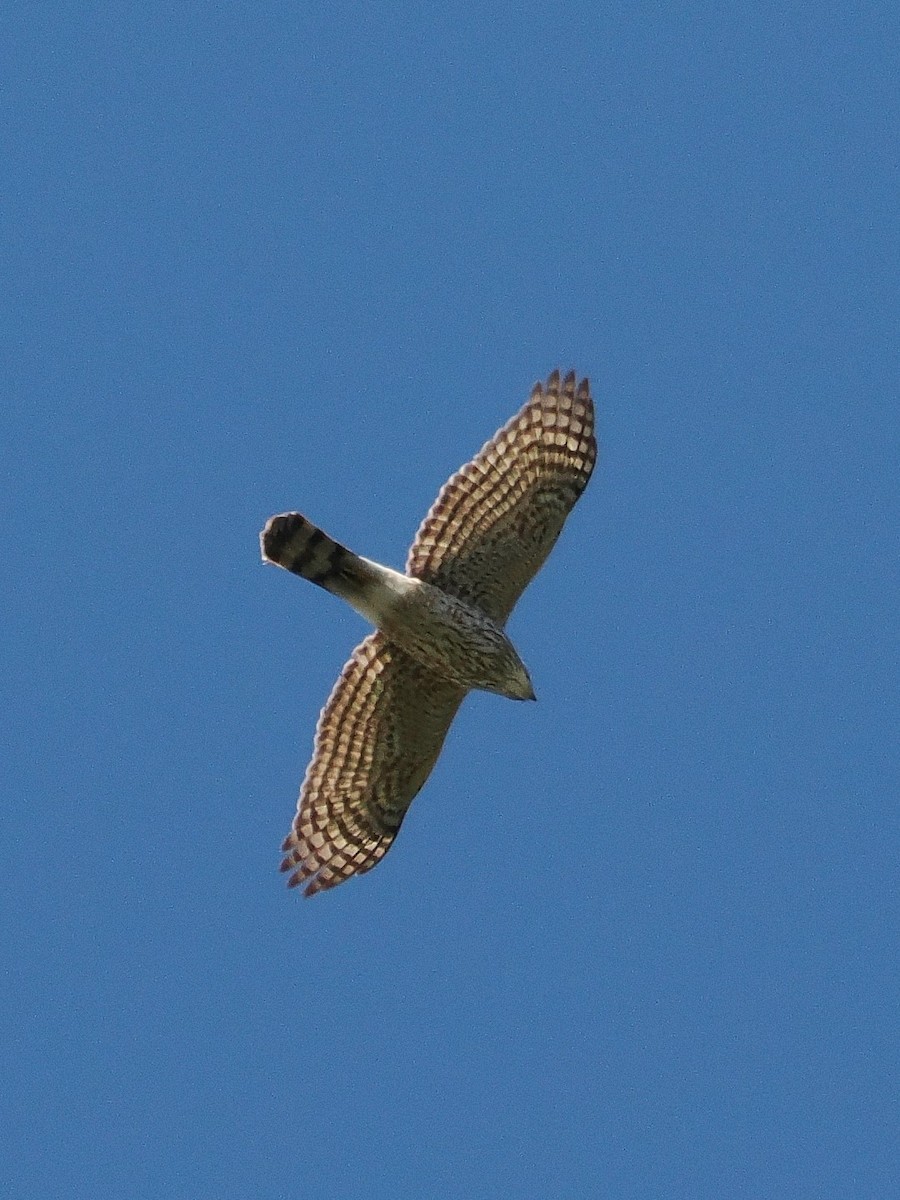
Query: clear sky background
x,y
638,940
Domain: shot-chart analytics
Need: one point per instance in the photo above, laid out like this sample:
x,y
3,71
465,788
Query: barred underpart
x,y
487,534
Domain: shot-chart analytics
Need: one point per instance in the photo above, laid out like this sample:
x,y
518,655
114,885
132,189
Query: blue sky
x,y
637,940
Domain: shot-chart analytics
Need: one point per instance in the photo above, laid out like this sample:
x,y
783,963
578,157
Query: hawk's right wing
x,y
496,520
377,740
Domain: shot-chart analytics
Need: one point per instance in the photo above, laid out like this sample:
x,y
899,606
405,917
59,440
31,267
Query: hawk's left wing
x,y
377,740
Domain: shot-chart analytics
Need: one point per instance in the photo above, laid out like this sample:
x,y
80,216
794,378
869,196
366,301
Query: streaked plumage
x,y
439,628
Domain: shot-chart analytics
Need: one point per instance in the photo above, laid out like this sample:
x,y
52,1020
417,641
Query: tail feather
x,y
292,542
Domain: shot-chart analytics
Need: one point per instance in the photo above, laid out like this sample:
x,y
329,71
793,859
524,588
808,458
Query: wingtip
x,y
568,384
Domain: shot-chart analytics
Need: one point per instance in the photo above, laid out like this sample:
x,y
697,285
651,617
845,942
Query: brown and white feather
x,y
496,520
378,737
382,729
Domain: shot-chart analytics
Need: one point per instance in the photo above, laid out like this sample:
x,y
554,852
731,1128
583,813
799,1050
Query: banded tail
x,y
292,542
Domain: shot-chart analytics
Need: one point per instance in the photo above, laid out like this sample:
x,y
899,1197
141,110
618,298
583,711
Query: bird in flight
x,y
439,628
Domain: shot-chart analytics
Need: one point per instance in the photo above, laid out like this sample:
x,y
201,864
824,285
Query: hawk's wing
x,y
377,740
498,517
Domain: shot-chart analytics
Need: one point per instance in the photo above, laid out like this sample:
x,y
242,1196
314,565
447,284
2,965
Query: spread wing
x,y
376,742
496,520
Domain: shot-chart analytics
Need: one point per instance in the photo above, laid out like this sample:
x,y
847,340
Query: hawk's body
x,y
440,628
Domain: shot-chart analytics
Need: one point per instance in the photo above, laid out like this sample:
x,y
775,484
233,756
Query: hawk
x,y
439,628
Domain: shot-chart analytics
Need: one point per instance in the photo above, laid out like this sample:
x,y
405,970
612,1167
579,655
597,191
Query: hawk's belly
x,y
456,641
